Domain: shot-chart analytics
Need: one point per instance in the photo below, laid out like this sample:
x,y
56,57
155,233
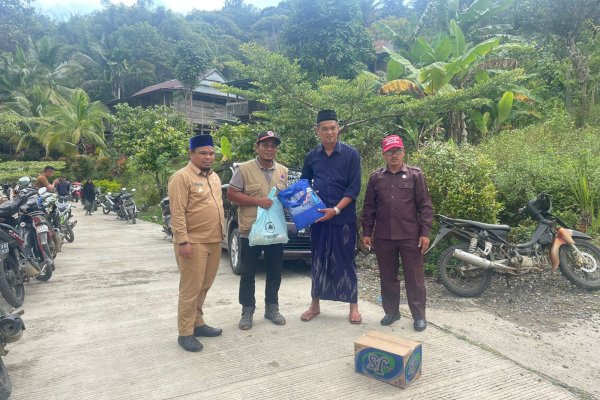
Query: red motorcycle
x,y
76,191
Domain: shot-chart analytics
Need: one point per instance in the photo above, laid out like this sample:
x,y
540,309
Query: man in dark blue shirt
x,y
333,168
63,187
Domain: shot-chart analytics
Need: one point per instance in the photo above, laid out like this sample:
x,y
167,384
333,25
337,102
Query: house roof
x,y
205,87
172,84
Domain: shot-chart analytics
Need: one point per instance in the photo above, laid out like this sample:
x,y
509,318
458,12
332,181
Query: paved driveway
x,y
104,327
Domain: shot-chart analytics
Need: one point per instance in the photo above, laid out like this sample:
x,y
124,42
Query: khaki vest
x,y
256,185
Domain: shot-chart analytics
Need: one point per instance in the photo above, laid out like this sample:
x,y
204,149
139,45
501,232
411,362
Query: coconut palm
x,y
76,125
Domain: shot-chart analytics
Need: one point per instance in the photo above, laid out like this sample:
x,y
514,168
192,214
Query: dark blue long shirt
x,y
333,177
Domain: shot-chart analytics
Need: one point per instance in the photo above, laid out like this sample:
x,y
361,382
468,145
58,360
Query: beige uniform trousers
x,y
196,275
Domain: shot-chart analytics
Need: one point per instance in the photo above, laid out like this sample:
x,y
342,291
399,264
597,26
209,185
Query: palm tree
x,y
75,124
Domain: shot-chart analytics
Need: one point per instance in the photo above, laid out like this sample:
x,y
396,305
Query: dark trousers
x,y
387,252
273,260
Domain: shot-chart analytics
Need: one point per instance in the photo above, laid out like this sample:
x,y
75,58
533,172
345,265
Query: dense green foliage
x,y
460,181
107,185
152,138
327,38
11,171
517,80
549,158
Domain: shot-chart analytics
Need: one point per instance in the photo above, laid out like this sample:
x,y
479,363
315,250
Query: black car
x,y
298,246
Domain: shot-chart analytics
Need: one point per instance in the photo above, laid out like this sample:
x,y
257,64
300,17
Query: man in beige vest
x,y
249,187
197,221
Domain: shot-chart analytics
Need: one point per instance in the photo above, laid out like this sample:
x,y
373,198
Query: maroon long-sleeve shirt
x,y
397,206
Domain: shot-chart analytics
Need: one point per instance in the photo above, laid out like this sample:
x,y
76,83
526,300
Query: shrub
x,y
459,181
544,158
108,186
11,171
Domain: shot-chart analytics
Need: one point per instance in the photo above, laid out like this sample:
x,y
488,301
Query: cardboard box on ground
x,y
388,358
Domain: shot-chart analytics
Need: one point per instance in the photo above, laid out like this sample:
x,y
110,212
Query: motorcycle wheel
x,y
69,234
462,279
586,276
14,295
131,216
105,210
5,383
47,274
234,249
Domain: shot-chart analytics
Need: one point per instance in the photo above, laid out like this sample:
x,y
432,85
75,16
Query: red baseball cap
x,y
391,142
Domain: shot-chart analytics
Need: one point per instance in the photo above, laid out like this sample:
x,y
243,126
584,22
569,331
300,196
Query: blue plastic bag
x,y
270,226
302,203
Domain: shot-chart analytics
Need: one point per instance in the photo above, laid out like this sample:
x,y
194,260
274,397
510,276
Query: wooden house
x,y
209,108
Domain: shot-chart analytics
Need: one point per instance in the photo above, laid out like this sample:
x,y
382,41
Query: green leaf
x,y
434,77
486,119
504,107
407,64
395,70
458,42
482,76
479,50
443,49
424,51
225,148
477,119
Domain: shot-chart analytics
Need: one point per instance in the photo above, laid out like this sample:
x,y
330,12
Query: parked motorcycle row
x,y
33,226
122,204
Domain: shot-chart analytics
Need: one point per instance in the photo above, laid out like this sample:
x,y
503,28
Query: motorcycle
x,y
466,269
60,217
41,242
166,217
15,267
11,329
127,207
109,203
76,191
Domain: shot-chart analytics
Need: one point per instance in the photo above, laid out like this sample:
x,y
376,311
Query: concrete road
x,y
104,327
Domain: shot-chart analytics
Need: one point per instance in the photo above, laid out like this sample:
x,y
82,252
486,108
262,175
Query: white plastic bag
x,y
270,226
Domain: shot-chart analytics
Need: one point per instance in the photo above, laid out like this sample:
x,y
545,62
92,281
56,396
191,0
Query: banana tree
x,y
438,67
511,105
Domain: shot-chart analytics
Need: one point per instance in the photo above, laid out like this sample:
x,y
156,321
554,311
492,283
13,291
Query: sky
x,y
64,8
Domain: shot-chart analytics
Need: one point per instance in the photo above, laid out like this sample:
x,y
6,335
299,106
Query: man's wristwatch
x,y
183,243
337,210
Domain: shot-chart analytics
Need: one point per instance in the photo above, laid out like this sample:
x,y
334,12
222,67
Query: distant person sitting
x,y
63,186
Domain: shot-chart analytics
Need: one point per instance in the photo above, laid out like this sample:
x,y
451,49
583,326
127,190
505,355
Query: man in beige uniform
x,y
197,221
249,188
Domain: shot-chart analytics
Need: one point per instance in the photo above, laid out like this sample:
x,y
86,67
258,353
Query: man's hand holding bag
x,y
270,226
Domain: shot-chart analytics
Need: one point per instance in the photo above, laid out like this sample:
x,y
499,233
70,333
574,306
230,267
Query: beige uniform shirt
x,y
196,206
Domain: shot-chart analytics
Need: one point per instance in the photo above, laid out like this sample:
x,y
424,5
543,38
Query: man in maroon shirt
x,y
397,218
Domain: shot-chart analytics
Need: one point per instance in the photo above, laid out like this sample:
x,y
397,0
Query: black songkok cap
x,y
326,115
201,141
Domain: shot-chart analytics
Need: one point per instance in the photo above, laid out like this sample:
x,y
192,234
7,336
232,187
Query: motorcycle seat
x,y
488,227
9,208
